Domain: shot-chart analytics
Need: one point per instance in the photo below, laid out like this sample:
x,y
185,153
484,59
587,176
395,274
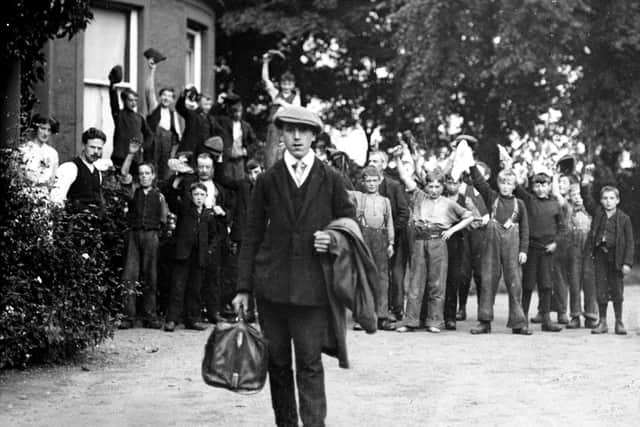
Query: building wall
x,y
162,24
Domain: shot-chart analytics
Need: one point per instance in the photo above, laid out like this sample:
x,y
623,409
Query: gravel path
x,y
152,378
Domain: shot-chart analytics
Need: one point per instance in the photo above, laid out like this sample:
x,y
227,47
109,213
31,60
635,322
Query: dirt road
x,y
152,378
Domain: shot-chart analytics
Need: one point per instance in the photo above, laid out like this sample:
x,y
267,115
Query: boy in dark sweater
x,y
611,243
507,235
147,214
545,225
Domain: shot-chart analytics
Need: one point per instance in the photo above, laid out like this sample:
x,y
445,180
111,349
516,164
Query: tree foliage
x,y
25,27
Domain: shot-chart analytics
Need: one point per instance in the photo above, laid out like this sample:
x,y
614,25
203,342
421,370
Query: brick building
x,y
75,90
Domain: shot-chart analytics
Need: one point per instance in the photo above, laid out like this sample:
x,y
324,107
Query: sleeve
x,y
629,242
561,225
522,194
402,208
524,227
483,187
271,89
252,237
113,103
181,108
148,137
164,209
389,221
590,205
66,175
460,212
53,166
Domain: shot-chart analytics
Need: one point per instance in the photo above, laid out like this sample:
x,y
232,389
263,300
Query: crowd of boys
x,y
188,172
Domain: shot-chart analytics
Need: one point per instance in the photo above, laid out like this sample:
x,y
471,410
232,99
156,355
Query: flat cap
x,y
298,115
214,144
152,53
115,75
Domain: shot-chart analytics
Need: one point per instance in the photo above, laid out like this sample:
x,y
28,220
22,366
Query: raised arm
x,y
271,88
150,87
113,102
488,194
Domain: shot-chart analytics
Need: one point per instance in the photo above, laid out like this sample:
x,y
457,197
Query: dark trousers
x,y
538,273
306,327
234,168
573,274
218,285
501,257
397,267
185,293
477,241
377,241
458,272
609,285
142,261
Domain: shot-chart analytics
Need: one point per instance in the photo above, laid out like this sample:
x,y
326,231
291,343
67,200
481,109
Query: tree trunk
x,y
10,103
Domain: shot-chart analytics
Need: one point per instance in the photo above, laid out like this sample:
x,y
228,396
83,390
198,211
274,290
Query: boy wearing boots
x,y
373,212
505,251
545,226
611,244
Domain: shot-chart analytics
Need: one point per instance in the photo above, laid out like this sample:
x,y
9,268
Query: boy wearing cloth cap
x,y
280,263
546,224
373,212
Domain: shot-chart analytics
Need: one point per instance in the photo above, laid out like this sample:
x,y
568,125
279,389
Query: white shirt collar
x,y
291,161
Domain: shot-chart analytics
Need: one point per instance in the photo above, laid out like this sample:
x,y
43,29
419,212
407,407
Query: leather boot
x,y
590,323
563,319
620,329
537,318
481,328
462,313
602,327
522,331
548,325
574,323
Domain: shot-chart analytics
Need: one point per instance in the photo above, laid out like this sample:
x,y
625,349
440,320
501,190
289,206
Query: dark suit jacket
x,y
394,191
203,228
248,136
277,259
624,236
198,126
242,189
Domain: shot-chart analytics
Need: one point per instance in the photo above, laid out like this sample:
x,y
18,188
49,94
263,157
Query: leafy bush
x,y
60,288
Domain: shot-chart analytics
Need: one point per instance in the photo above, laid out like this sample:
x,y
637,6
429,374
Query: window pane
x,y
105,42
189,65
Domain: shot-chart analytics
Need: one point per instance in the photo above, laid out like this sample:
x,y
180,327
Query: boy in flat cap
x,y
280,263
546,224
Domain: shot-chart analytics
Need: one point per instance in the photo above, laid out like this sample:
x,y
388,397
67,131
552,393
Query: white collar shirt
x,y
292,164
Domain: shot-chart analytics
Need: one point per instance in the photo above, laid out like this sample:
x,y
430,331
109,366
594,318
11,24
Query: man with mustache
x,y
78,181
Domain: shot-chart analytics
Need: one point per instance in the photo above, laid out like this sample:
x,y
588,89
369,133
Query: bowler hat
x,y
214,145
152,53
298,115
115,75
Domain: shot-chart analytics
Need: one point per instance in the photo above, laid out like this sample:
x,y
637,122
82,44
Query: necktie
x,y
299,172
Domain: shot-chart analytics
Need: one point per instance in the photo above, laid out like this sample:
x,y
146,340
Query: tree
x,y
25,27
337,50
497,64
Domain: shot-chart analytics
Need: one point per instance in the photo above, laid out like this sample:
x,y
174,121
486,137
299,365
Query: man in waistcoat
x,y
78,181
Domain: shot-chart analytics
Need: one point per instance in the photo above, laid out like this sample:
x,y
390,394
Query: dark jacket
x,y
249,139
203,231
198,127
394,191
153,120
242,196
352,280
277,259
128,124
625,245
546,218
